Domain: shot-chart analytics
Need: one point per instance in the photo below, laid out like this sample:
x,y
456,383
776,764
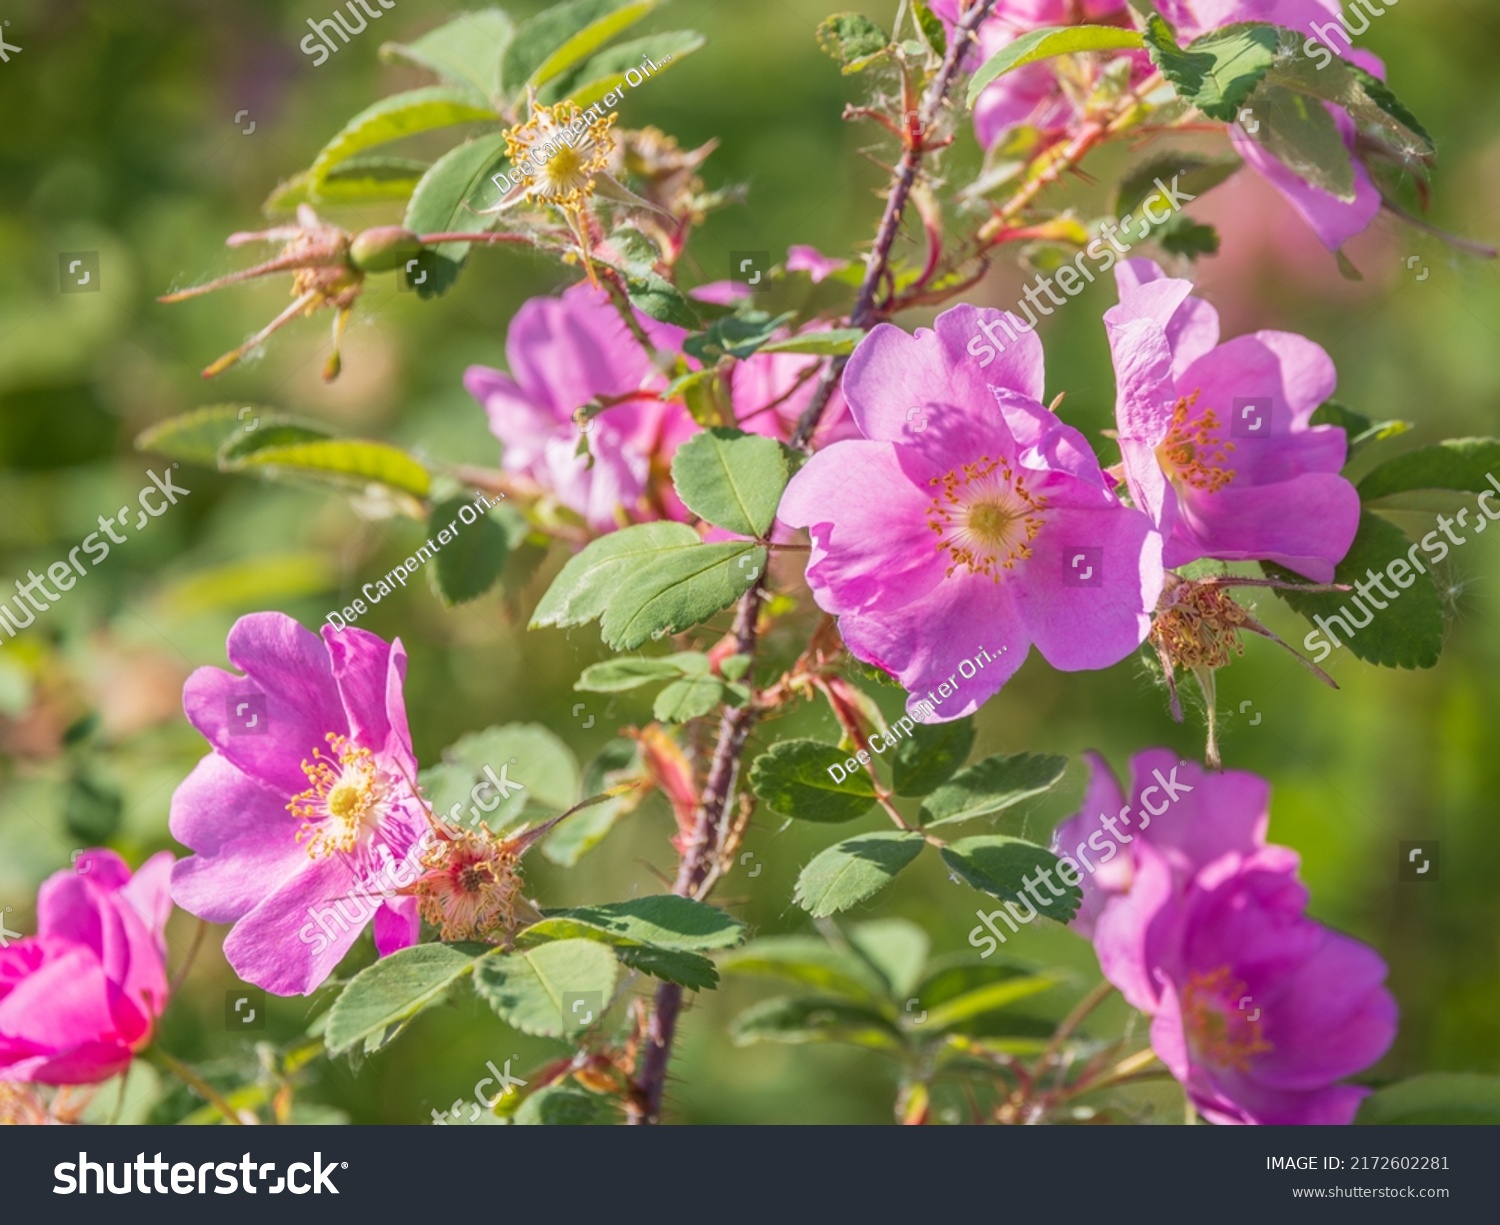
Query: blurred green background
x,y
121,137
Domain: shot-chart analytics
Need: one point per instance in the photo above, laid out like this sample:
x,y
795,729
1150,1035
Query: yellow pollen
x,y
984,517
558,171
1222,1020
1194,452
345,801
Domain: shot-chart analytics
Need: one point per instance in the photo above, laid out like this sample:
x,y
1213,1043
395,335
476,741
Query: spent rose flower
x,y
81,997
1258,1010
305,803
564,353
1216,439
969,523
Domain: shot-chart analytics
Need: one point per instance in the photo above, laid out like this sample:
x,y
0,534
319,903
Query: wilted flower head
x,y
558,154
81,997
471,885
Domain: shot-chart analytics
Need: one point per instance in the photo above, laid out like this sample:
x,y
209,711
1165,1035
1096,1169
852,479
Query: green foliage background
x,y
120,137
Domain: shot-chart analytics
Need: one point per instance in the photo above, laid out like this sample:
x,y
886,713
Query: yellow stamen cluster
x,y
984,517
1197,626
1222,1022
471,888
1194,452
345,801
557,154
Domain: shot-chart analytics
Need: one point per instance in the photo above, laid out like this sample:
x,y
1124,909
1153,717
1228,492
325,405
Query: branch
x,y
877,267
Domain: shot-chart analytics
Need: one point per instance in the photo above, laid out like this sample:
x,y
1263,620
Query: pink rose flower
x,y
1258,1010
563,353
302,819
969,523
81,997
1215,437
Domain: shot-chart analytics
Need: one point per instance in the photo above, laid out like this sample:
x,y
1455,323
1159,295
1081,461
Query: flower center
x,y
558,152
984,517
347,798
1194,452
471,887
1222,1020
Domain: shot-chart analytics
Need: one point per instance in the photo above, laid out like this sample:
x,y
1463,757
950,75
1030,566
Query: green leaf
x,y
656,296
1180,235
602,73
451,197
678,589
853,40
1466,464
792,777
1218,72
835,342
1377,112
199,435
618,675
586,584
737,336
811,962
383,997
854,870
1195,173
1045,44
539,771
347,463
932,28
1000,866
1300,133
400,115
662,920
360,180
809,1019
1434,1099
1359,428
565,34
732,479
688,699
558,1106
466,51
931,753
685,969
896,948
1406,634
240,444
470,563
992,785
999,989
92,809
528,989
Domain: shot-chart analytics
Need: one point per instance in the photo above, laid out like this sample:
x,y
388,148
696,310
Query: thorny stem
x,y
693,873
877,267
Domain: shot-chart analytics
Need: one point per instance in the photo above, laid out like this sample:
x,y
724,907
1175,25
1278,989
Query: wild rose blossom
x,y
968,519
1215,437
309,805
1256,1009
563,353
81,997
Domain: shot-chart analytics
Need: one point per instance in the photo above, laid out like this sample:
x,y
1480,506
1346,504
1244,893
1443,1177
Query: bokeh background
x,y
123,135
